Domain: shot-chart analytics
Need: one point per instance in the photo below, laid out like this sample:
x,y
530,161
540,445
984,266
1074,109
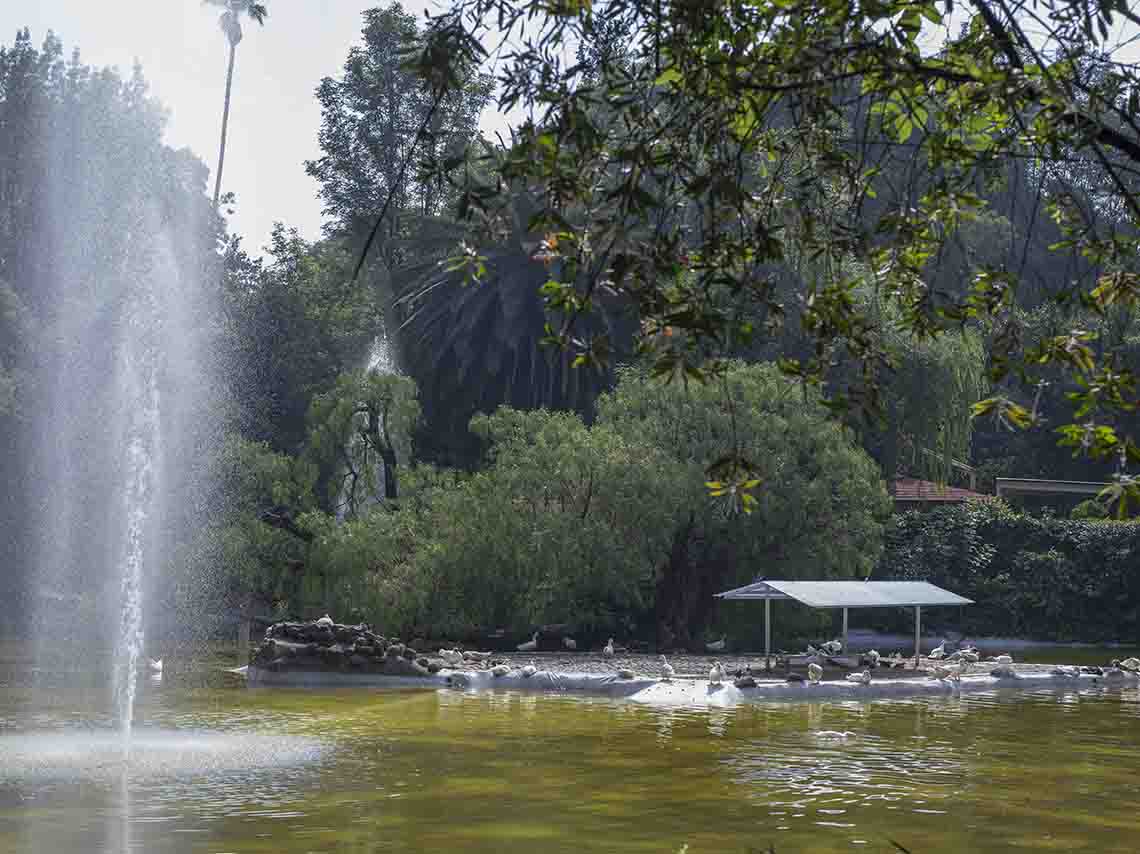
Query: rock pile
x,y
325,646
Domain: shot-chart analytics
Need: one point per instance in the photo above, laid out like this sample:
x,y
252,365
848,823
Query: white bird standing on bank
x,y
717,646
815,673
942,672
716,673
451,657
938,651
529,670
155,665
530,646
863,678
667,672
570,643
608,649
325,622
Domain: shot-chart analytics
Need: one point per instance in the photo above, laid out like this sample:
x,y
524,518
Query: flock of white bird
x,y
948,666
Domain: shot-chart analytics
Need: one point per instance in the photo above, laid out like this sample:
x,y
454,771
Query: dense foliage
x,y
1038,577
604,527
735,150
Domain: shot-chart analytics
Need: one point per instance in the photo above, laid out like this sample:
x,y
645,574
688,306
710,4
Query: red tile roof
x,y
911,489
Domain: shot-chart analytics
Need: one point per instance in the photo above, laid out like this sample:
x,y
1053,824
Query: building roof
x,y
849,594
912,489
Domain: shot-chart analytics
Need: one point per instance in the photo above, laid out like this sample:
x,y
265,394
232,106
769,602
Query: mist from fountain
x,y
125,411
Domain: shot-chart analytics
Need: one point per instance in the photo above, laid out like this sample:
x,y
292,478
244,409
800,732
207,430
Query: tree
x,y
608,526
740,140
293,324
475,346
230,21
819,511
376,116
360,426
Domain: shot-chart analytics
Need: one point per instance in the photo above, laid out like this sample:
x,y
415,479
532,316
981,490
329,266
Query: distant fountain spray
x,y
139,375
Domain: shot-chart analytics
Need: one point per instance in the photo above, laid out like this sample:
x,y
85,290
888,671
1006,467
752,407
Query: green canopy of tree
x,y
739,140
608,526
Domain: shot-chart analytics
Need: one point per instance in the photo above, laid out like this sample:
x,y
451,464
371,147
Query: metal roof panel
x,y
849,594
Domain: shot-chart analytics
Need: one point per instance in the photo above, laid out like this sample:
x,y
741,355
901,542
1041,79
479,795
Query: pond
x,y
217,767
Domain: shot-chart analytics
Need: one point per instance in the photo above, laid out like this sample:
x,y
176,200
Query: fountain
x,y
122,412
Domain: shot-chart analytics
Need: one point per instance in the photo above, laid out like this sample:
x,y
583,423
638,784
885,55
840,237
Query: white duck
x,y
500,670
1132,664
1002,659
667,672
716,673
530,646
863,678
570,643
942,672
325,622
529,670
873,658
815,673
1004,669
938,651
451,657
608,649
717,646
154,665
833,647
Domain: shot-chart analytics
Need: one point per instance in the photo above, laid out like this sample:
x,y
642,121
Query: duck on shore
x,y
530,646
716,673
717,646
815,673
608,649
667,672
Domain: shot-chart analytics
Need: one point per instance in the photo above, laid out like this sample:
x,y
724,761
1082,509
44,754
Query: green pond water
x,y
217,767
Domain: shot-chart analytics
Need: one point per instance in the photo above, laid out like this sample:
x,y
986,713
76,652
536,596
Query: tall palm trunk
x,y
225,121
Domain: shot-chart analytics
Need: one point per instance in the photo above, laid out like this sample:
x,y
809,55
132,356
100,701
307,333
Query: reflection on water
x,y
217,767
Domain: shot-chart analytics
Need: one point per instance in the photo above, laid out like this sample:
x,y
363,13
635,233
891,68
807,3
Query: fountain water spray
x,y
139,374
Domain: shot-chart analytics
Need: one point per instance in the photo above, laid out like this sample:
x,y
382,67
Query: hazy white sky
x,y
274,116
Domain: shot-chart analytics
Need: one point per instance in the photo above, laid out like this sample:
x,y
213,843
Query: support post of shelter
x,y
767,634
845,631
917,635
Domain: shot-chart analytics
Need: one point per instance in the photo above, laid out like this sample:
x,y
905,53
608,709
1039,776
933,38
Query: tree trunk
x,y
225,123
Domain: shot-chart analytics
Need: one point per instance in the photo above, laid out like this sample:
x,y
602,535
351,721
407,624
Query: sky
x,y
274,115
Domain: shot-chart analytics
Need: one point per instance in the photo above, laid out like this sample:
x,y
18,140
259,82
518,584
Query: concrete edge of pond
x,y
685,691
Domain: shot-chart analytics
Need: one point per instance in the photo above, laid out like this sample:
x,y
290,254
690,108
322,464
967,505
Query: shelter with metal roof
x,y
842,595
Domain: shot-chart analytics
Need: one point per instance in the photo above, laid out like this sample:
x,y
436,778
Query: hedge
x,y
1037,577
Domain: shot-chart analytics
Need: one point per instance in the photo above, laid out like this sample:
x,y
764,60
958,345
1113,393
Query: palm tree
x,y
473,347
230,21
